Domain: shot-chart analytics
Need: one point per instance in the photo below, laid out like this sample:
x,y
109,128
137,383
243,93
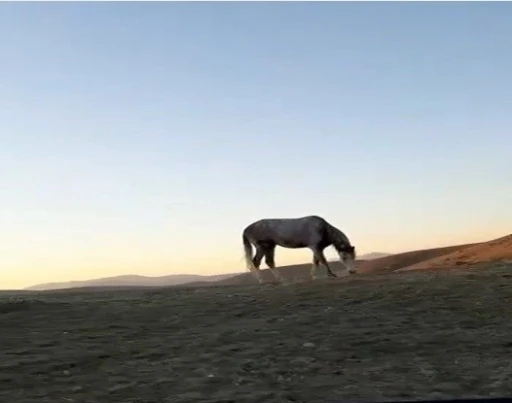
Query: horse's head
x,y
347,255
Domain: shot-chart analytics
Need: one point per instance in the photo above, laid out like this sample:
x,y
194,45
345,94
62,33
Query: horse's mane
x,y
338,235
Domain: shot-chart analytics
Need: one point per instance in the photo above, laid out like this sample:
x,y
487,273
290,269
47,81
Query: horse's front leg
x,y
320,258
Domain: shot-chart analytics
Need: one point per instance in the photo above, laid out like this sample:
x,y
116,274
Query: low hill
x,y
497,250
132,281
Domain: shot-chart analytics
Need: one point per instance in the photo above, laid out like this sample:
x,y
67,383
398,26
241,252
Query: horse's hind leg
x,y
269,260
256,262
314,268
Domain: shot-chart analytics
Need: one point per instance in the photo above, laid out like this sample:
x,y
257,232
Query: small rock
x,y
302,360
308,344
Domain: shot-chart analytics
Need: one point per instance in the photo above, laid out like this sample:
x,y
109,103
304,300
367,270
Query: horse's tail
x,y
247,252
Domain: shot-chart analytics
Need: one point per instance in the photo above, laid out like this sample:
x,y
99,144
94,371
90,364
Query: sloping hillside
x,y
294,273
393,263
497,250
297,272
383,265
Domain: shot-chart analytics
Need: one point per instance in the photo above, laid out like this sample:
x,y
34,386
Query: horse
x,y
311,232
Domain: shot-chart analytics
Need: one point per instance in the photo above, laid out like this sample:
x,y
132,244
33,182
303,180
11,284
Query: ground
x,y
426,334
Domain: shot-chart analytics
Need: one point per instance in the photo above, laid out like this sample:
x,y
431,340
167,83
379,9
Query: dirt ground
x,y
442,334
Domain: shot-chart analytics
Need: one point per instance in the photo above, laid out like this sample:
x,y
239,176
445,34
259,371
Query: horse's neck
x,y
338,237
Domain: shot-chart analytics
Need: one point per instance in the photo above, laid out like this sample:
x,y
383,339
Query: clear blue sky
x,y
143,137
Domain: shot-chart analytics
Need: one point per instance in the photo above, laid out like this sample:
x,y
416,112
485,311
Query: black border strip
x,y
473,400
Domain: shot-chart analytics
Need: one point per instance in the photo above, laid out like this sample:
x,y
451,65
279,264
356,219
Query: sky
x,y
141,138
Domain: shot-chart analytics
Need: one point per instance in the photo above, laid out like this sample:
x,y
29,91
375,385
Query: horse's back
x,y
288,219
314,220
296,232
285,223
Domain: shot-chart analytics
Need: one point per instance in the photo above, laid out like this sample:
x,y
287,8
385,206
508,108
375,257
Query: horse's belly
x,y
292,244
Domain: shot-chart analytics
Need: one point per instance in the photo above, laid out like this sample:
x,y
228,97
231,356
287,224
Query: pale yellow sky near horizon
x,y
44,266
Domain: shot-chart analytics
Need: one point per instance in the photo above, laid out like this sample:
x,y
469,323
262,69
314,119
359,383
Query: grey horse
x,y
311,232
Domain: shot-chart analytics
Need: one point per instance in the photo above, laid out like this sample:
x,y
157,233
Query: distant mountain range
x,y
373,255
162,281
132,281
